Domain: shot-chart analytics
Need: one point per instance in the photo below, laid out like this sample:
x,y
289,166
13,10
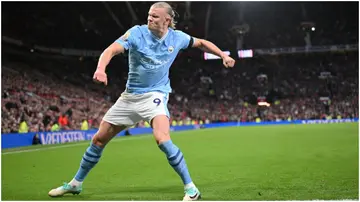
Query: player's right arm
x,y
119,46
105,57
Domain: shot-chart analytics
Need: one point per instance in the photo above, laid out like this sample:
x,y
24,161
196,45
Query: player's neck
x,y
160,33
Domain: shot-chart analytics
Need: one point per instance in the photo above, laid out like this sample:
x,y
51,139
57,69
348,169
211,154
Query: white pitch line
x,y
72,145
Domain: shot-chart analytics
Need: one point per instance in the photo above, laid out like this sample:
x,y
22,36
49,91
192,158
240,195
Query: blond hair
x,y
169,10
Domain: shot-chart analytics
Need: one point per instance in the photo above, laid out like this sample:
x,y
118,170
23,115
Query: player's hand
x,y
228,61
100,77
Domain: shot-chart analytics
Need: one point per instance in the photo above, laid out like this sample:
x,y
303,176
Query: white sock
x,y
74,182
191,184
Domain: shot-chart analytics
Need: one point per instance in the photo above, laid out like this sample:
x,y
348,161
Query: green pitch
x,y
293,162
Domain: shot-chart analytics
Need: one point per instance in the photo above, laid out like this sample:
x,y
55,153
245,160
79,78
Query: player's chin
x,y
152,27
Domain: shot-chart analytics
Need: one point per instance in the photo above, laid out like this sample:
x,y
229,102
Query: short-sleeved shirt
x,y
150,58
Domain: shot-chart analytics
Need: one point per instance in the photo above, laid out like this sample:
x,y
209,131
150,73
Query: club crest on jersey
x,y
171,49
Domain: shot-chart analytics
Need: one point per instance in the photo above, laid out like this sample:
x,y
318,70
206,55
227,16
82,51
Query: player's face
x,y
157,19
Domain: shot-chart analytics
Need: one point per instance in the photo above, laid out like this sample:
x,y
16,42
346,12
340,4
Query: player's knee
x,y
96,140
161,136
161,128
105,133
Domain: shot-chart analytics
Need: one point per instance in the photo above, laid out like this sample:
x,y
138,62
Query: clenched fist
x,y
100,77
228,61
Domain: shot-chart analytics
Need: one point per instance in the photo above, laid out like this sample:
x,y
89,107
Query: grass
x,y
292,162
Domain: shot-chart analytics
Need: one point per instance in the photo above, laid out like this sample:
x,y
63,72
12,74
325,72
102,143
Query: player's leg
x,y
90,158
161,131
153,109
118,117
93,153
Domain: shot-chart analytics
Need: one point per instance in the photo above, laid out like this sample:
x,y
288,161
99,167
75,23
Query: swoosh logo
x,y
194,197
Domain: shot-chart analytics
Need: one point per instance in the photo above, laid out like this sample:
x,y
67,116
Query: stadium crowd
x,y
314,86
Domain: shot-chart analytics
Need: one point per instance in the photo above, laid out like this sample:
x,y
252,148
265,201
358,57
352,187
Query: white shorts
x,y
129,109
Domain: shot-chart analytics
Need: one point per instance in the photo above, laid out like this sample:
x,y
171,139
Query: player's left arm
x,y
209,47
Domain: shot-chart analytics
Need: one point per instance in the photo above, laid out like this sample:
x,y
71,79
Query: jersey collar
x,y
164,38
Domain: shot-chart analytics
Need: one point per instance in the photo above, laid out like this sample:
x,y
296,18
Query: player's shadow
x,y
151,192
144,189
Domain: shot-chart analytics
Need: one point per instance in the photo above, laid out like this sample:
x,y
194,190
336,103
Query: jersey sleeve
x,y
129,39
185,40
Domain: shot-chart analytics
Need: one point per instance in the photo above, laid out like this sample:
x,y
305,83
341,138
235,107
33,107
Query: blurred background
x,y
294,61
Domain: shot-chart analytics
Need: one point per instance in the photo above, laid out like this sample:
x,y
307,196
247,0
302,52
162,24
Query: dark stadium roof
x,y
94,25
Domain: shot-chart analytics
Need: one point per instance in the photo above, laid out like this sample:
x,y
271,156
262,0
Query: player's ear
x,y
168,20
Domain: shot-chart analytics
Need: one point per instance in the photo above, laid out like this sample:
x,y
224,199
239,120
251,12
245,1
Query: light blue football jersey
x,y
150,58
